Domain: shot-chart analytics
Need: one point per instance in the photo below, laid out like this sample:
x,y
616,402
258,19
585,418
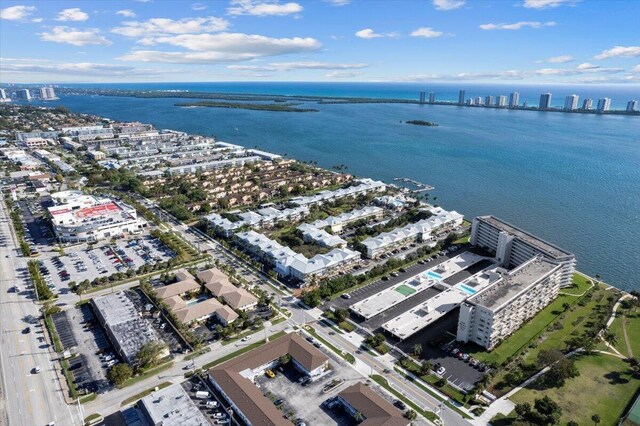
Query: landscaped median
x,y
429,415
144,393
145,374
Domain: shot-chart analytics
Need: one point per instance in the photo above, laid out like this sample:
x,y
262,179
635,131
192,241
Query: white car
x,y
212,403
440,371
245,338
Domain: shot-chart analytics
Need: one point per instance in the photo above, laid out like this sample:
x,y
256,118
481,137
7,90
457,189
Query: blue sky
x,y
550,41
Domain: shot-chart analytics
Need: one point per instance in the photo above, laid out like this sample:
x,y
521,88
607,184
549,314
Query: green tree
x,y
411,414
417,350
611,338
425,368
149,352
596,419
119,374
547,411
284,359
523,410
340,315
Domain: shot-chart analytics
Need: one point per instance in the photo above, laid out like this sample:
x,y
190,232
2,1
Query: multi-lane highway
x,y
30,399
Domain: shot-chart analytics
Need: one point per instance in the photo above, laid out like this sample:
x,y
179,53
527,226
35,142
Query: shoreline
x,y
320,100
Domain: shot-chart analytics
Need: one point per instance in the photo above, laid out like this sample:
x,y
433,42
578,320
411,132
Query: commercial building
x,y
33,143
587,104
604,104
501,101
514,100
374,410
126,330
632,106
496,312
571,102
461,97
171,406
545,101
513,246
23,94
77,217
234,379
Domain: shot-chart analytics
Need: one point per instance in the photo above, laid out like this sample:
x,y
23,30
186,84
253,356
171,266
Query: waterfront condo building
x,y
422,97
514,100
493,314
513,246
479,100
47,93
571,102
545,101
23,94
501,101
632,106
461,97
587,104
604,104
432,97
488,100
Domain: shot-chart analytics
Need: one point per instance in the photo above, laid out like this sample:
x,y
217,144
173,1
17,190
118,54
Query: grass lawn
x,y
538,324
604,387
632,326
144,393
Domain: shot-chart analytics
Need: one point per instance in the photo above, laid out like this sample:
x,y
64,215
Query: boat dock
x,y
421,187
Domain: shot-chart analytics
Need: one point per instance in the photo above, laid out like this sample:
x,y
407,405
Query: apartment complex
x,y
234,379
375,410
497,311
77,217
513,246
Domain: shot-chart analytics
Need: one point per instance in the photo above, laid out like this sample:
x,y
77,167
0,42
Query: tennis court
x,y
405,290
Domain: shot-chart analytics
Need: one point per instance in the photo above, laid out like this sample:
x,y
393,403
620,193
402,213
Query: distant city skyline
x,y
524,41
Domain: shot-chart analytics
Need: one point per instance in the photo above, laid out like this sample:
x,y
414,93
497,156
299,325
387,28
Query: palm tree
x,y
417,349
358,416
611,339
596,419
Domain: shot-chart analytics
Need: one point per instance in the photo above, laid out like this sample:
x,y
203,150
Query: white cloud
x,y
498,75
75,36
39,66
73,14
343,74
616,51
588,66
544,4
426,32
37,20
198,6
562,59
368,33
223,47
16,13
288,66
263,8
517,25
338,2
448,4
126,13
163,26
636,69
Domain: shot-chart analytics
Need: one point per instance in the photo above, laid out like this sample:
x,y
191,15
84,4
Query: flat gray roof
x,y
514,283
540,244
172,406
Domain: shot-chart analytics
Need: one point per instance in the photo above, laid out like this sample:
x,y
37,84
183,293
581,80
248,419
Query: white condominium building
x,y
364,186
512,246
604,104
337,223
77,217
496,312
571,102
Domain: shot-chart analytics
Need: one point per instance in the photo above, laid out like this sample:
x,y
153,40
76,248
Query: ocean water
x,y
572,179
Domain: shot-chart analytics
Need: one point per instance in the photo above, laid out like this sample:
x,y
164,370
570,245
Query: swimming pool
x,y
434,275
467,289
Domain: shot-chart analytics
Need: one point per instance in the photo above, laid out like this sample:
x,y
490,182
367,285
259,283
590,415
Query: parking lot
x,y
80,333
214,406
89,263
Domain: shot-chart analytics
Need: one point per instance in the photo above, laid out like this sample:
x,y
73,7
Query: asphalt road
x,y
31,399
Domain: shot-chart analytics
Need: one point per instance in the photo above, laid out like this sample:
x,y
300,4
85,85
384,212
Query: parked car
x,y
401,405
270,374
212,404
346,296
440,371
203,395
26,330
35,370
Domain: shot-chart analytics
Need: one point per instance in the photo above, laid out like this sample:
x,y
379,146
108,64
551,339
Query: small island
x,y
282,107
422,123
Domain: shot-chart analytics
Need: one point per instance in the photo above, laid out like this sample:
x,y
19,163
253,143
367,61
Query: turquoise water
x,y
434,275
572,179
467,289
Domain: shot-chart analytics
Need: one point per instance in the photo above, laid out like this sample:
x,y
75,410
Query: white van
x,y
203,395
